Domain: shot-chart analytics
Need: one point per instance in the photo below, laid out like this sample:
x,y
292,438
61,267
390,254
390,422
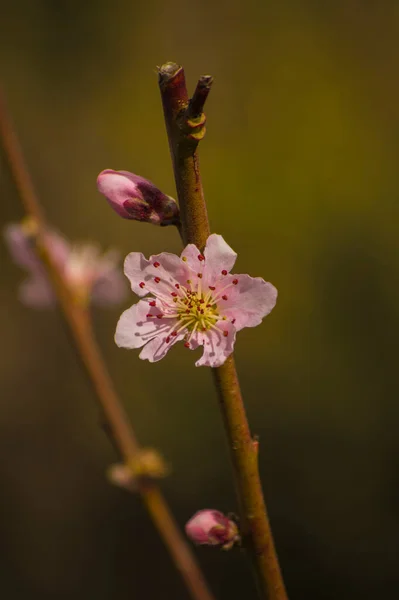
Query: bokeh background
x,y
300,168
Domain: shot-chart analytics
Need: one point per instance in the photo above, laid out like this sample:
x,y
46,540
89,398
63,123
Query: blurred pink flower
x,y
212,528
192,298
134,197
90,274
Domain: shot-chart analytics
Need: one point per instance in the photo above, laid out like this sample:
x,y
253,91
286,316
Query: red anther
x,y
233,321
225,333
187,345
167,340
141,284
153,303
177,285
201,257
204,329
224,297
188,311
199,275
174,333
224,272
157,264
235,281
211,287
174,294
149,315
209,305
202,312
202,301
159,316
156,279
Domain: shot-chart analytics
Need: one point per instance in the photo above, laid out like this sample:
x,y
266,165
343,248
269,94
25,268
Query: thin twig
x,y
257,536
79,325
196,104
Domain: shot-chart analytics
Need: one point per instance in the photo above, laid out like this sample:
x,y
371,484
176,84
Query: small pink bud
x,y
212,528
134,197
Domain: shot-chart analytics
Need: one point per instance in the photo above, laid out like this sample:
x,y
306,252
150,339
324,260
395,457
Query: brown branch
x,y
79,325
257,536
20,174
256,531
193,214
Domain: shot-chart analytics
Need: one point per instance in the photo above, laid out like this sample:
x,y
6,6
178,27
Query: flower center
x,y
197,310
193,309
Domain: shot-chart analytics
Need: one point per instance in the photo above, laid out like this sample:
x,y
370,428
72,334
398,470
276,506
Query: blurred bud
x,y
134,197
121,476
147,464
212,528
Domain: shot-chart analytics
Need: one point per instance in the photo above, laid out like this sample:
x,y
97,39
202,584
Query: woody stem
x,y
79,326
185,128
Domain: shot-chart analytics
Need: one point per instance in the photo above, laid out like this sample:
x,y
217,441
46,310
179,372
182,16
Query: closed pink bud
x,y
134,197
212,528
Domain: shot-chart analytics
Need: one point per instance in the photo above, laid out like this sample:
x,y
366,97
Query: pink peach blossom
x,y
134,197
192,298
90,274
212,528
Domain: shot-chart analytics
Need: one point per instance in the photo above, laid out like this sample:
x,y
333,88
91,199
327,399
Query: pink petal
x,y
121,190
109,289
134,328
190,256
157,348
36,292
219,257
22,250
248,301
135,267
20,247
144,274
198,534
58,247
217,346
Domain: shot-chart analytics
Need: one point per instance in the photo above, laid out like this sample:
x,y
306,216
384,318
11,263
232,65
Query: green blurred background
x,y
300,171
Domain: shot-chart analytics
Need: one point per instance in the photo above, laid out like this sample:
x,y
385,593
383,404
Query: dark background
x,y
300,168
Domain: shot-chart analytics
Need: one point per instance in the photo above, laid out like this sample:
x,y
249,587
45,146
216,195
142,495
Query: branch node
x,y
192,128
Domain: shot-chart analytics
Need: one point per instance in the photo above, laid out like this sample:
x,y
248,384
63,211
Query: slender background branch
x,y
115,417
185,128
